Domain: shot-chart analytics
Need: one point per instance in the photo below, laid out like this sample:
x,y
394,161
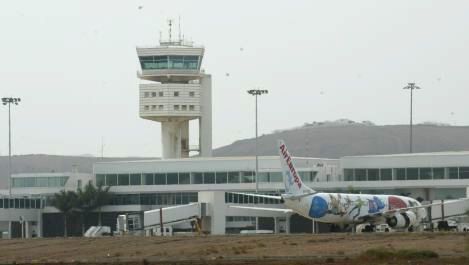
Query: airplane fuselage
x,y
340,208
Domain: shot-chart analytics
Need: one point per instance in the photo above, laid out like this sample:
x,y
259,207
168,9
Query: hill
x,y
349,138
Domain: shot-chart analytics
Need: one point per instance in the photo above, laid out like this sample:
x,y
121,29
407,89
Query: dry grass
x,y
324,248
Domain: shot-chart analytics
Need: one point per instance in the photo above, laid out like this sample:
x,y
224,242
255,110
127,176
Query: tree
x,y
91,198
66,202
103,197
86,202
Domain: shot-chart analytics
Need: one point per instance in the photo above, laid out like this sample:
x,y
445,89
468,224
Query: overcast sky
x,y
73,63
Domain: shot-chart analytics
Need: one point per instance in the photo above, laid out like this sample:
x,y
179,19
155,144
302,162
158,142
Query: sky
x,y
74,64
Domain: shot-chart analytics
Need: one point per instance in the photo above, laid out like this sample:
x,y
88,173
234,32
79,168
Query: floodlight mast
x,y
9,101
411,87
255,93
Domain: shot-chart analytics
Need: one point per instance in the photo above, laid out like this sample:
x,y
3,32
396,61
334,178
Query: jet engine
x,y
402,220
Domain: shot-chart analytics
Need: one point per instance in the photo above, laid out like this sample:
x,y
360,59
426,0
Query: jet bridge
x,y
170,216
451,208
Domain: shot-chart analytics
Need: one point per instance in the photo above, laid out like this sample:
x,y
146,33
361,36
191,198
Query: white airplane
x,y
340,208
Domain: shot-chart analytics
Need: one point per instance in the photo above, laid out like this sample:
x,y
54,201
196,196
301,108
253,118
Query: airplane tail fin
x,y
291,177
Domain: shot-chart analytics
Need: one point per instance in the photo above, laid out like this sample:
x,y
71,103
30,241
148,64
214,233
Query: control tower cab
x,y
176,91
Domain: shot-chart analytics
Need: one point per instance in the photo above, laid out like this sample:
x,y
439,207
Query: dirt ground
x,y
452,248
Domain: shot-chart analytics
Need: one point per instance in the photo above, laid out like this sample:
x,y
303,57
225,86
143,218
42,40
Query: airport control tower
x,y
179,91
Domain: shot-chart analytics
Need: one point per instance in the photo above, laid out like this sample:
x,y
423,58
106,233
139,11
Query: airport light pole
x,y
255,93
9,101
411,87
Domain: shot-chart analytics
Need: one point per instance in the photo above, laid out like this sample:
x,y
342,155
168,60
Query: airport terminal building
x,y
139,186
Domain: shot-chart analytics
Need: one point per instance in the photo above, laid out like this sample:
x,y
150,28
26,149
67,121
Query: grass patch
x,y
240,250
382,254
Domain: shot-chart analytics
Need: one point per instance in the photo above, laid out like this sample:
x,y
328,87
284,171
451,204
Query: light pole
x,y
411,87
9,101
255,93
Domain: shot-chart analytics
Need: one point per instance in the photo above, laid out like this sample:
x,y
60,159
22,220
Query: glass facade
x,y
173,198
414,173
187,178
43,182
21,203
169,62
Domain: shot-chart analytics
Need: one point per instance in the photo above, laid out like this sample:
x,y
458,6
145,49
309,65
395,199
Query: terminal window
x,y
176,107
191,107
160,94
184,107
153,94
146,107
146,94
191,94
176,93
160,107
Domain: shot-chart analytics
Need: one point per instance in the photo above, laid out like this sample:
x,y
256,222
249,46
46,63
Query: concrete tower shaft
x,y
174,91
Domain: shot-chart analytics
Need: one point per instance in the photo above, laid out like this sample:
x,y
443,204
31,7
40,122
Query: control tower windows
x,y
176,62
191,62
154,62
169,62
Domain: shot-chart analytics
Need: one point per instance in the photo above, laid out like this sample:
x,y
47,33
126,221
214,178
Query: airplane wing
x,y
389,213
259,195
262,209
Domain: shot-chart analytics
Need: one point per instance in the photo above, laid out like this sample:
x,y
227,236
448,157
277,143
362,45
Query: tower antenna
x,y
170,24
180,40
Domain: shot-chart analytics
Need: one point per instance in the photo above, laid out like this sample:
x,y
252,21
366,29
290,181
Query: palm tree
x,y
87,202
102,197
65,202
91,198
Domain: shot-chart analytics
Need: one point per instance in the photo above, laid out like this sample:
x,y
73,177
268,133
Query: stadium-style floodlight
x,y
255,93
411,87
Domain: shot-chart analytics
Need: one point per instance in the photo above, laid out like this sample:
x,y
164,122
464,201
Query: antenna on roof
x,y
170,24
180,29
